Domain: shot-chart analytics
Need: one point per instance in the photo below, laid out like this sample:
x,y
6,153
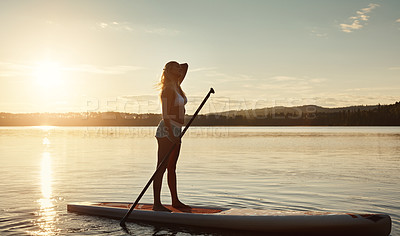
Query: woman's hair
x,y
167,80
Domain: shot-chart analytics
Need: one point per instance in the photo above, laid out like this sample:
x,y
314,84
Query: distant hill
x,y
308,115
252,113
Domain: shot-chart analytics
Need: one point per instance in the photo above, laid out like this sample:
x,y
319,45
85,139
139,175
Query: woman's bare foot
x,y
180,205
160,208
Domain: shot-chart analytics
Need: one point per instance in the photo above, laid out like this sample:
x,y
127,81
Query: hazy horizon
x,y
78,56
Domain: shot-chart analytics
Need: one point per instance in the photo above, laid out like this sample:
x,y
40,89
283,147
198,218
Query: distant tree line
x,y
378,115
382,115
388,115
79,119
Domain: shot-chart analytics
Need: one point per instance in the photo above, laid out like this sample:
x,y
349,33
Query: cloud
x,y
202,69
359,20
110,70
162,31
318,32
282,85
284,78
320,35
293,80
253,85
350,99
125,26
220,77
372,89
140,98
350,28
11,69
398,20
114,25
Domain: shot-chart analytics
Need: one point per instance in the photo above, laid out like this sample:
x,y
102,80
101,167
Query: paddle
x,y
122,222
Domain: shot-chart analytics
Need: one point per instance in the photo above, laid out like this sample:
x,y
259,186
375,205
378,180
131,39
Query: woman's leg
x,y
164,145
172,178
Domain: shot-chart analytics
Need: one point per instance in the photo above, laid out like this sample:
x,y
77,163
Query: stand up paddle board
x,y
268,221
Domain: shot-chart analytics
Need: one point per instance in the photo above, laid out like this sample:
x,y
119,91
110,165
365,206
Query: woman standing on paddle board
x,y
173,102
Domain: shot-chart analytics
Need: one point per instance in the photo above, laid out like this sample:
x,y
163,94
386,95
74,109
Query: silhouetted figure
x,y
173,102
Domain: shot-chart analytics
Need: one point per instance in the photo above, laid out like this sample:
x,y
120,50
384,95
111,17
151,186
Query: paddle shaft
x,y
165,159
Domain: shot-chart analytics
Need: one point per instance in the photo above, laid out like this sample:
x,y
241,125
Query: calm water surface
x,y
346,169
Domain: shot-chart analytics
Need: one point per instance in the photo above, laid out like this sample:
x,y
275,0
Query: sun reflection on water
x,y
47,213
45,141
45,176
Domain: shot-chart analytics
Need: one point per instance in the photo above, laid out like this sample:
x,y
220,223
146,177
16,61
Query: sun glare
x,y
47,214
48,74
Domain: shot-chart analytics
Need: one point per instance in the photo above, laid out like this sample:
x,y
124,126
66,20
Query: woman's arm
x,y
184,67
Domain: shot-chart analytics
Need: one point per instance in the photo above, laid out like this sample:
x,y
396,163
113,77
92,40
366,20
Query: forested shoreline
x,y
308,115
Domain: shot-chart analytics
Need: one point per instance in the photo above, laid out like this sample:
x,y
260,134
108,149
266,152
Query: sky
x,y
94,55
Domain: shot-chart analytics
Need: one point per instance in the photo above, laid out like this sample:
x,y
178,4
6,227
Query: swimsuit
x,y
179,107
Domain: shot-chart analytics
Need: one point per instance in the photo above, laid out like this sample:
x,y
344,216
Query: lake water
x,y
345,169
